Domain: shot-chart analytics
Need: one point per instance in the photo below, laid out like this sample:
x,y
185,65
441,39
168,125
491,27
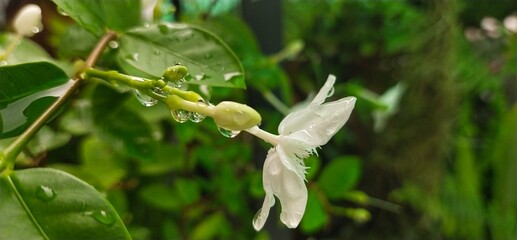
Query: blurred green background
x,y
430,151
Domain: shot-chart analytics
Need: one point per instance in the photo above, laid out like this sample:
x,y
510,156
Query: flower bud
x,y
28,20
175,73
235,116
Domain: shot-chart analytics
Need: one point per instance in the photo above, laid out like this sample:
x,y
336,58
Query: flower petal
x,y
261,216
290,189
324,91
318,122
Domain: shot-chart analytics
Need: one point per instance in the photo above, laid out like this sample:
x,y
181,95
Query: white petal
x,y
318,122
323,93
261,216
290,189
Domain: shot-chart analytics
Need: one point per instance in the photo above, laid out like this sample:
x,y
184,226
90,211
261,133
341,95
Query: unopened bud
x,y
235,116
175,73
28,20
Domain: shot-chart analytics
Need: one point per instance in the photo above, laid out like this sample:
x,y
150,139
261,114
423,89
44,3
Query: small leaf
x,y
315,216
188,190
148,51
76,42
124,129
98,15
339,176
102,161
160,196
26,90
50,204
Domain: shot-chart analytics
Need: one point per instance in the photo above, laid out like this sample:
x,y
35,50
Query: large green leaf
x,y
99,15
339,176
148,51
124,129
26,90
50,204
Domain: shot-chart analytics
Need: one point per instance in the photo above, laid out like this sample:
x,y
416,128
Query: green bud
x,y
235,116
175,73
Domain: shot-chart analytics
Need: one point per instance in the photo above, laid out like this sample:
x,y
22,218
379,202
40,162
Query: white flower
x,y
301,132
148,9
28,20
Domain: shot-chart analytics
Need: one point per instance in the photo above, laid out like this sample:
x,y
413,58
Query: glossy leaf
x,y
125,130
148,51
49,204
98,15
339,176
26,90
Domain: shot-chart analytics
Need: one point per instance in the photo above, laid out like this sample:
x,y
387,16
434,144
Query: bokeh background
x,y
430,151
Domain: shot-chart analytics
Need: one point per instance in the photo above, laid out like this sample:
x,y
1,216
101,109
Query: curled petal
x,y
318,122
287,186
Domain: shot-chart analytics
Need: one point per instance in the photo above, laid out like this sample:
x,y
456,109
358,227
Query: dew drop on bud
x,y
228,133
180,115
145,99
196,117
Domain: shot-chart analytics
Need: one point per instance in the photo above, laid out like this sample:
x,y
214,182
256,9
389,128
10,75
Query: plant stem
x,y
15,148
266,136
10,48
277,103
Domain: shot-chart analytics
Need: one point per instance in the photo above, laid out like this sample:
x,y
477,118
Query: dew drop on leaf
x,y
229,76
102,217
164,29
35,29
61,12
45,193
208,56
228,133
180,115
113,44
135,57
157,53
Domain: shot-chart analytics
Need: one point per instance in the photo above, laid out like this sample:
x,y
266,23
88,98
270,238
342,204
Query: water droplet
x,y
3,63
198,117
156,52
331,92
45,193
180,115
164,29
177,84
145,99
101,216
35,29
228,133
229,76
113,44
178,64
158,91
135,57
208,56
201,76
61,12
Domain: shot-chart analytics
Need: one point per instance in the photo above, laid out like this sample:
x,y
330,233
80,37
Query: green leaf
x,y
188,190
102,161
125,130
148,51
339,176
160,196
25,51
315,216
50,204
210,227
98,15
26,90
76,42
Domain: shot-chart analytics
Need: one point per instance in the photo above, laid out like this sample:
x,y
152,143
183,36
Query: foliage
x,y
111,164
